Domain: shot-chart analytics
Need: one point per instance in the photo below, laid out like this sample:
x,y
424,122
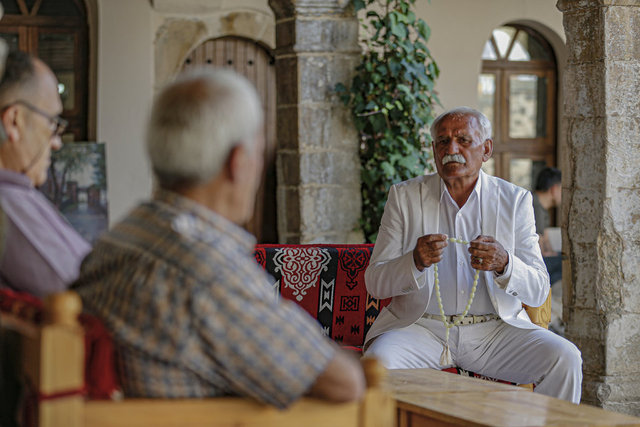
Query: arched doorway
x,y
257,64
517,90
56,31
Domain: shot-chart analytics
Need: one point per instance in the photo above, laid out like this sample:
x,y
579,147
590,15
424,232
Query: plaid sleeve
x,y
268,349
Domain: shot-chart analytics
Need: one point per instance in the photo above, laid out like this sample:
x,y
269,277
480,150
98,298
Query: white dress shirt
x,y
455,271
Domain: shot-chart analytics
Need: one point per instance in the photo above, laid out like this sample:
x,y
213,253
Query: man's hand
x,y
488,254
429,250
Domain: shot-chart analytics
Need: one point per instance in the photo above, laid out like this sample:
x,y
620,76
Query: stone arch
x,y
177,37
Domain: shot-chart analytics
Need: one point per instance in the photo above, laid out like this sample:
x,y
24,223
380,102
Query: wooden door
x,y
256,63
56,32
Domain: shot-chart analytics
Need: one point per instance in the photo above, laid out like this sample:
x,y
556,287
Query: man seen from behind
x,y
192,313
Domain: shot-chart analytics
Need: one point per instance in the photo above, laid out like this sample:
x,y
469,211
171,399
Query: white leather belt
x,y
470,319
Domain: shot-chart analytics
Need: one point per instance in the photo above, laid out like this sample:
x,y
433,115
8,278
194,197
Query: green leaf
x,y
387,168
358,5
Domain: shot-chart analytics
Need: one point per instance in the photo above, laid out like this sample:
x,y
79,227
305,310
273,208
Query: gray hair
x,y
196,121
483,121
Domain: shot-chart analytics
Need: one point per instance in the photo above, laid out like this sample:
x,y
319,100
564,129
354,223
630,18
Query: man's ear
x,y
488,149
9,128
235,162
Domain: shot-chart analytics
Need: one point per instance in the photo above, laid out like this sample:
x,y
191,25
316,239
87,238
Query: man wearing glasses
x,y
42,253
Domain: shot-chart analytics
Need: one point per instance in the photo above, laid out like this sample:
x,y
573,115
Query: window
x,y
56,32
517,92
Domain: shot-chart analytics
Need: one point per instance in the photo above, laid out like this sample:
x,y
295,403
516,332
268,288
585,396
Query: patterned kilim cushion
x,y
328,282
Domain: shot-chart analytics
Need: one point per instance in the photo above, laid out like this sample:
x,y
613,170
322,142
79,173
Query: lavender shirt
x,y
42,252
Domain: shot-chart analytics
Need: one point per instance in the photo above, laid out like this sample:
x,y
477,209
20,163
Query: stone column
x,y
317,155
601,197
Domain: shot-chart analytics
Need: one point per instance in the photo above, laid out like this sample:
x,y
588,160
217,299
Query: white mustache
x,y
458,158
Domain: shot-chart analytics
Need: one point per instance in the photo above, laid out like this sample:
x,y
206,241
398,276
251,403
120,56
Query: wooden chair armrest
x,y
54,364
541,316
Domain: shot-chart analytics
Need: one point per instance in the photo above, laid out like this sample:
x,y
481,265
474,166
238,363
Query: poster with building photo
x,y
77,185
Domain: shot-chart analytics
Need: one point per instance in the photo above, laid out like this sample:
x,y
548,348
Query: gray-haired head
x,y
483,121
196,121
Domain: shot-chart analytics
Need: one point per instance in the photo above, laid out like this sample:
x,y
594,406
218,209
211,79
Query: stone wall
x,y
317,157
178,34
601,187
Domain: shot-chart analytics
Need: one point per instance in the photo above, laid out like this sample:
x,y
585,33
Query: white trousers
x,y
495,349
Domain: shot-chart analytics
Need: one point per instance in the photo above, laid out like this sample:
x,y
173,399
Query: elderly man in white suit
x,y
436,230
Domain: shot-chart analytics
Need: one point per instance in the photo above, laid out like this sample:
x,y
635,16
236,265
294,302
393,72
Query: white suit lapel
x,y
430,198
489,208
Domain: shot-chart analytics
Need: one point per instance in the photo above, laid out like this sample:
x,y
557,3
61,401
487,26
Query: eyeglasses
x,y
56,123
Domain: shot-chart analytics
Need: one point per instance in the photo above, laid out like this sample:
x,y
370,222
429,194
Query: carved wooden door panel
x,y
256,63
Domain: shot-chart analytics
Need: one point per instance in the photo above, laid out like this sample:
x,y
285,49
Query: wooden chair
x,y
53,364
541,316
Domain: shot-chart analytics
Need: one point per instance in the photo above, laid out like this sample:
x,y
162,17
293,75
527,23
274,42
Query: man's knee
x,y
395,351
568,355
384,353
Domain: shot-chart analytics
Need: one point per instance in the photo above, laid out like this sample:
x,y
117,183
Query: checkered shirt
x,y
193,314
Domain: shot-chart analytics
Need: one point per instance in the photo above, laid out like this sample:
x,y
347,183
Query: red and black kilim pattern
x,y
328,282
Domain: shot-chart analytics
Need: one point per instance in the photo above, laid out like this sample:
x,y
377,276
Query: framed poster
x,y
77,185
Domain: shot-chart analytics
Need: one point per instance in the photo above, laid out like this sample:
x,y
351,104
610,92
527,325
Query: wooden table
x,y
426,397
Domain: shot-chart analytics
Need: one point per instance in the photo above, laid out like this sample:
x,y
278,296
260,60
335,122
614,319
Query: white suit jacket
x,y
412,210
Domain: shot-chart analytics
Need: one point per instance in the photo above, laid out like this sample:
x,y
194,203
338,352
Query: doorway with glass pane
x,y
517,92
56,32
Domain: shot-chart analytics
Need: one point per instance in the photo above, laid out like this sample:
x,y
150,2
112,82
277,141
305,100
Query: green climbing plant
x,y
391,98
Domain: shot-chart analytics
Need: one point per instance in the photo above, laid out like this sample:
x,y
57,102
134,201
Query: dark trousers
x,y
554,267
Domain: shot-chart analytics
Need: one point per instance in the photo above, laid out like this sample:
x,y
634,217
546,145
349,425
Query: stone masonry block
x,y
343,236
288,200
287,87
319,75
585,275
586,329
623,341
624,208
327,127
574,5
290,8
329,167
631,276
587,142
622,26
622,88
584,216
584,90
623,152
314,78
329,208
285,35
584,31
327,35
609,281
288,168
287,127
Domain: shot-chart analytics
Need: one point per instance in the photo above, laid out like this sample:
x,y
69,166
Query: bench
x,y
327,280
